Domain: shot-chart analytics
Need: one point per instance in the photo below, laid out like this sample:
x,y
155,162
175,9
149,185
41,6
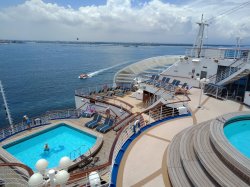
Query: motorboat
x,y
83,76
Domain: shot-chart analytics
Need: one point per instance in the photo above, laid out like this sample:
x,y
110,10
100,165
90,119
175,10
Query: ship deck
x,y
149,165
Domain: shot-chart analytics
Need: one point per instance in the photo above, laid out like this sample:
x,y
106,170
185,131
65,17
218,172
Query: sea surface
x,y
40,77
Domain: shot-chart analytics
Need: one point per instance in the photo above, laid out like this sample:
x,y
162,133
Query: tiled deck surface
x,y
144,162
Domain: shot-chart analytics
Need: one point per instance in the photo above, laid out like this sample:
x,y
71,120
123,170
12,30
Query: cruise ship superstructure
x,y
226,70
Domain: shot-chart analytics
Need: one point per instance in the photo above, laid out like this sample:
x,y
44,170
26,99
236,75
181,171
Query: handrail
x,y
103,101
119,122
37,122
78,175
147,110
82,106
28,169
131,106
229,66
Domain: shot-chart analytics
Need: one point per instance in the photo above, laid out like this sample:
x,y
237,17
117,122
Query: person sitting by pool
x,y
46,147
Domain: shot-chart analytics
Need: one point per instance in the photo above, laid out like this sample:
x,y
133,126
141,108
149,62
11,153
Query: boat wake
x,y
105,69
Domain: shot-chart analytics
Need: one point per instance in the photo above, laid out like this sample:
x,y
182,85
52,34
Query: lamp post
x,y
52,177
202,83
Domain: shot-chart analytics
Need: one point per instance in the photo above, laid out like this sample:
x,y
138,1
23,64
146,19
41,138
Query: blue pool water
x,y
238,134
61,139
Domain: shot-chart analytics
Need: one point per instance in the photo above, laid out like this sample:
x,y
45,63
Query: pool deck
x,y
149,165
103,154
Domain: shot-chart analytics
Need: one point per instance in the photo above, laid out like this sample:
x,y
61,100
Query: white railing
x,y
128,130
216,91
39,121
229,70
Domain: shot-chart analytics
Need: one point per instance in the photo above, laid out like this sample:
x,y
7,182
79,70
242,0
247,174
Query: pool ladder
x,y
78,152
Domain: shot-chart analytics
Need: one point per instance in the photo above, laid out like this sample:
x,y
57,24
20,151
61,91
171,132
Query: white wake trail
x,y
105,69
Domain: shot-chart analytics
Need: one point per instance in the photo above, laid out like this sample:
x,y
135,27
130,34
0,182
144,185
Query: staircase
x,y
233,74
216,90
195,159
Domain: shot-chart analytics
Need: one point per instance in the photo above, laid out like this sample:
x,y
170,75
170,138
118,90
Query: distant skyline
x,y
156,21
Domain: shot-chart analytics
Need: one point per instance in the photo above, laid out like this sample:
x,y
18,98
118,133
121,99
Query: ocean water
x,y
39,77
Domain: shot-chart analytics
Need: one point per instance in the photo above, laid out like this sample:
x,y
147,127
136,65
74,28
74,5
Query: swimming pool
x,y
237,131
62,140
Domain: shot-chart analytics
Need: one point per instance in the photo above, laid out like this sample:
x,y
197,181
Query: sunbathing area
x,y
157,139
118,113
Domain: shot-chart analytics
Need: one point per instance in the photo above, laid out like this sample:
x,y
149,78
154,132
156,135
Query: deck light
x,y
41,165
65,162
36,180
51,177
62,177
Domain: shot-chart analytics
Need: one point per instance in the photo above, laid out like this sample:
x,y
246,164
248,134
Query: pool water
x,y
238,134
62,140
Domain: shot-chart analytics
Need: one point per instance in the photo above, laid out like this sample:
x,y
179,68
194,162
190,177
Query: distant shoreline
x,y
125,44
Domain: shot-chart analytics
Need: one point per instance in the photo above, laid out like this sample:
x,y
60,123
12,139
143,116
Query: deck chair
x,y
184,85
155,80
184,89
106,126
151,79
93,123
169,86
164,81
177,83
120,93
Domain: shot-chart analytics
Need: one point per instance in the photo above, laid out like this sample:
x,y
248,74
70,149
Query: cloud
x,y
118,20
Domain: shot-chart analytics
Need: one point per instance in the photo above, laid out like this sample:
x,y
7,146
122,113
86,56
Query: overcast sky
x,y
158,21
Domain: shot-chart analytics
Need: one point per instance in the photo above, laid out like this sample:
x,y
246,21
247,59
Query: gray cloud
x,y
118,21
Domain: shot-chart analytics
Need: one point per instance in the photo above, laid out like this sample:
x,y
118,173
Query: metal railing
x,y
124,134
229,70
216,91
38,121
79,152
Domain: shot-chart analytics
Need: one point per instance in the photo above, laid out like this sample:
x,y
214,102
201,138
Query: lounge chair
x,y
156,80
184,89
185,85
119,93
164,81
177,83
169,86
151,80
106,126
93,123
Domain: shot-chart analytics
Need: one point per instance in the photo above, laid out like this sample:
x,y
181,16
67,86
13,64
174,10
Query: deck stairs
x,y
232,74
193,160
216,90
